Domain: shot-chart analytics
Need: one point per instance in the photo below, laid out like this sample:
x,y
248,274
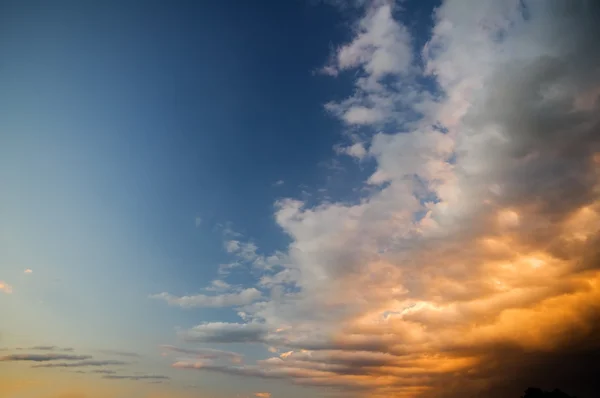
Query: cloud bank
x,y
473,264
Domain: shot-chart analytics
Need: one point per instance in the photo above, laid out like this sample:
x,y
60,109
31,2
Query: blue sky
x,y
223,175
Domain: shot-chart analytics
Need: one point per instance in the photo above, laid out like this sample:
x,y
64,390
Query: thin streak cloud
x,y
86,363
43,357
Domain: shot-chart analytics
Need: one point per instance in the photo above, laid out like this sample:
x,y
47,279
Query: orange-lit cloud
x,y
474,264
5,287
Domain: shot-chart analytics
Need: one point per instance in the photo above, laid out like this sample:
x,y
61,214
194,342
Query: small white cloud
x,y
363,115
198,221
5,287
28,271
329,70
357,151
278,182
218,285
382,46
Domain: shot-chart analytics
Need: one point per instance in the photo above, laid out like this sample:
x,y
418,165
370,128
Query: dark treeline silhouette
x,y
532,392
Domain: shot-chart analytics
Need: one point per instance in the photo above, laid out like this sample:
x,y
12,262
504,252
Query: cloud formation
x,y
220,332
103,371
244,297
5,287
137,377
43,357
85,363
120,353
47,348
473,264
205,353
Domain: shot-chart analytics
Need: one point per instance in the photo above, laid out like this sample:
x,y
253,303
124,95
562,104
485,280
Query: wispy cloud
x,y
120,353
85,363
103,371
5,287
244,297
220,332
47,348
262,394
205,353
43,357
28,271
219,285
136,377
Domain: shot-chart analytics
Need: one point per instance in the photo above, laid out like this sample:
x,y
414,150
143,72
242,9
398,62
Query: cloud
x,y
220,332
471,267
246,254
262,394
138,377
219,285
278,182
103,371
43,357
48,348
381,45
356,150
120,353
85,363
381,49
28,271
243,297
198,221
206,353
5,287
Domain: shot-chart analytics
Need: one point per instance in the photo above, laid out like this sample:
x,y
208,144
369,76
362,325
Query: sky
x,y
324,198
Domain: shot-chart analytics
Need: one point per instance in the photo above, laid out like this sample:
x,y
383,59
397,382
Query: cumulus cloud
x,y
472,267
243,297
356,150
381,45
43,357
5,287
